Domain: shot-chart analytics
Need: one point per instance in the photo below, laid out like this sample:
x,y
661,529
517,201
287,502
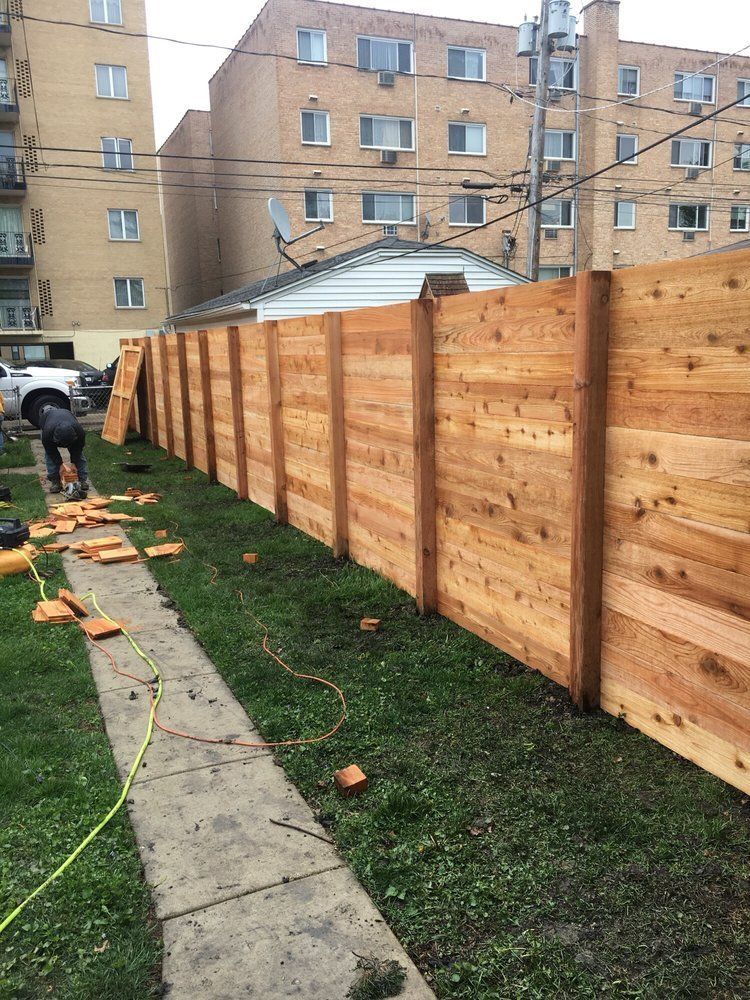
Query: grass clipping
x,y
377,979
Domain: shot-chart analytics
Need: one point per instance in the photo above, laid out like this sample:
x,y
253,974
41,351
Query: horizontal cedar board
x,y
722,460
533,435
505,462
553,368
706,414
717,370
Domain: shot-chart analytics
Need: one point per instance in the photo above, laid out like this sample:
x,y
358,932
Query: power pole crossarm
x,y
536,151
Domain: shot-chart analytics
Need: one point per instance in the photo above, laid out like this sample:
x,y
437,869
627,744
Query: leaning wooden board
x,y
123,394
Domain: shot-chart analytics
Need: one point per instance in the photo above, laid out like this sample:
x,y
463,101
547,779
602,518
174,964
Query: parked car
x,y
109,371
89,375
38,386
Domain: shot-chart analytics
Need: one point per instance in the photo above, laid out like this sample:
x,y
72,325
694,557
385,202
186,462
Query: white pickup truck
x,y
37,387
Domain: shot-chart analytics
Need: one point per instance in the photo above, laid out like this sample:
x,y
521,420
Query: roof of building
x,y
450,283
272,283
739,245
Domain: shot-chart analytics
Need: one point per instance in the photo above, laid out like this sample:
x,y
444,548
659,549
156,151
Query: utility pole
x,y
536,151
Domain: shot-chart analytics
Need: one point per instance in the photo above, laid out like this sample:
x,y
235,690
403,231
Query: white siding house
x,y
376,275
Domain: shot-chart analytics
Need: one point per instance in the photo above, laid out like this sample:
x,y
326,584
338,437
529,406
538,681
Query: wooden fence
x,y
562,468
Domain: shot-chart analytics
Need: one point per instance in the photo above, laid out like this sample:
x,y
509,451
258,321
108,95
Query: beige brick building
x,y
372,121
81,241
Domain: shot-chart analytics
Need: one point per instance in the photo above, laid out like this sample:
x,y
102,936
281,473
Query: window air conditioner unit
x,y
555,95
688,237
552,166
550,234
691,174
388,155
695,108
389,231
386,78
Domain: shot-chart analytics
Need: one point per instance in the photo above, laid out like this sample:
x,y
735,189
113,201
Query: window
x,y
465,64
741,156
559,145
311,46
384,53
694,87
691,153
626,148
628,81
314,125
548,272
467,139
466,211
117,154
743,90
123,224
105,11
129,293
624,215
318,206
112,81
379,206
562,73
689,217
557,213
379,132
739,220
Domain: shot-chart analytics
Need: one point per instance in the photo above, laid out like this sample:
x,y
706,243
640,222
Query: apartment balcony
x,y
19,318
4,25
8,100
12,178
16,250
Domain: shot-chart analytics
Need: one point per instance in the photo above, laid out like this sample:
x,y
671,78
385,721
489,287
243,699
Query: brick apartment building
x,y
371,120
81,245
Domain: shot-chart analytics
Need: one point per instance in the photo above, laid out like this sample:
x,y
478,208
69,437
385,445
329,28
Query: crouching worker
x,y
60,429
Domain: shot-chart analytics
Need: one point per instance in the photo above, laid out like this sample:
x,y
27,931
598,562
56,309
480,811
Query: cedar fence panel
x,y
516,381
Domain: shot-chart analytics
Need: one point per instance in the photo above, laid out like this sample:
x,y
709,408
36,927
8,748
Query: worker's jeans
x,y
53,461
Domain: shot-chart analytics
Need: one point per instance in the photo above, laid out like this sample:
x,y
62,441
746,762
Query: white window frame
x,y
393,41
559,225
559,60
743,84
561,132
688,229
107,19
568,268
462,198
465,48
117,153
700,142
387,118
617,223
314,62
130,295
459,152
318,191
690,77
124,238
634,159
313,142
110,67
390,222
637,71
740,229
743,154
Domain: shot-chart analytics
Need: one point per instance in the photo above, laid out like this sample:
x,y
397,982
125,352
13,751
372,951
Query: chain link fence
x,y
89,399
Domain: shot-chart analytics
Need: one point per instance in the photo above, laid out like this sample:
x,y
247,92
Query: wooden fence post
x,y
336,436
166,393
590,355
275,420
238,412
148,358
208,406
423,390
187,421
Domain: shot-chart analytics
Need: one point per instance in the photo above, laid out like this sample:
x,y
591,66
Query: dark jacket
x,y
61,429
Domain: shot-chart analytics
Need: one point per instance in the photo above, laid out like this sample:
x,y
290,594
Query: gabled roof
x,y
450,283
272,284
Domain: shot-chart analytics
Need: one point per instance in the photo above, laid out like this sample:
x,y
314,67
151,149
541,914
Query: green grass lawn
x,y
57,779
516,847
17,454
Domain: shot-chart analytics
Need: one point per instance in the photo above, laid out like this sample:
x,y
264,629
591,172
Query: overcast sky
x,y
180,73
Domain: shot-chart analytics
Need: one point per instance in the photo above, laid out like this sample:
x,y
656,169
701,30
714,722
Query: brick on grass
x,y
369,624
350,781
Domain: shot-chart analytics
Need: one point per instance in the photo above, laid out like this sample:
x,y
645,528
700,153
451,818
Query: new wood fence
x,y
562,468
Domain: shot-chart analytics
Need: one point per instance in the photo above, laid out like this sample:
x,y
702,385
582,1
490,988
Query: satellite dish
x,y
280,219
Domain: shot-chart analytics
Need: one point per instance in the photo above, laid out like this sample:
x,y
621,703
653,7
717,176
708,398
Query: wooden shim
x,y
336,435
208,406
238,413
122,396
166,395
589,436
187,423
148,358
423,392
275,421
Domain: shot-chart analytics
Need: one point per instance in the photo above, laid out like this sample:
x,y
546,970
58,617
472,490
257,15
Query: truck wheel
x,y
35,409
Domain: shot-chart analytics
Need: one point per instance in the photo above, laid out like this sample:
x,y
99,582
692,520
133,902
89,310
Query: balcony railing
x,y
8,94
12,174
19,317
16,249
4,17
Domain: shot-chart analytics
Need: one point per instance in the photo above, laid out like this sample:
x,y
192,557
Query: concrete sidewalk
x,y
249,909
